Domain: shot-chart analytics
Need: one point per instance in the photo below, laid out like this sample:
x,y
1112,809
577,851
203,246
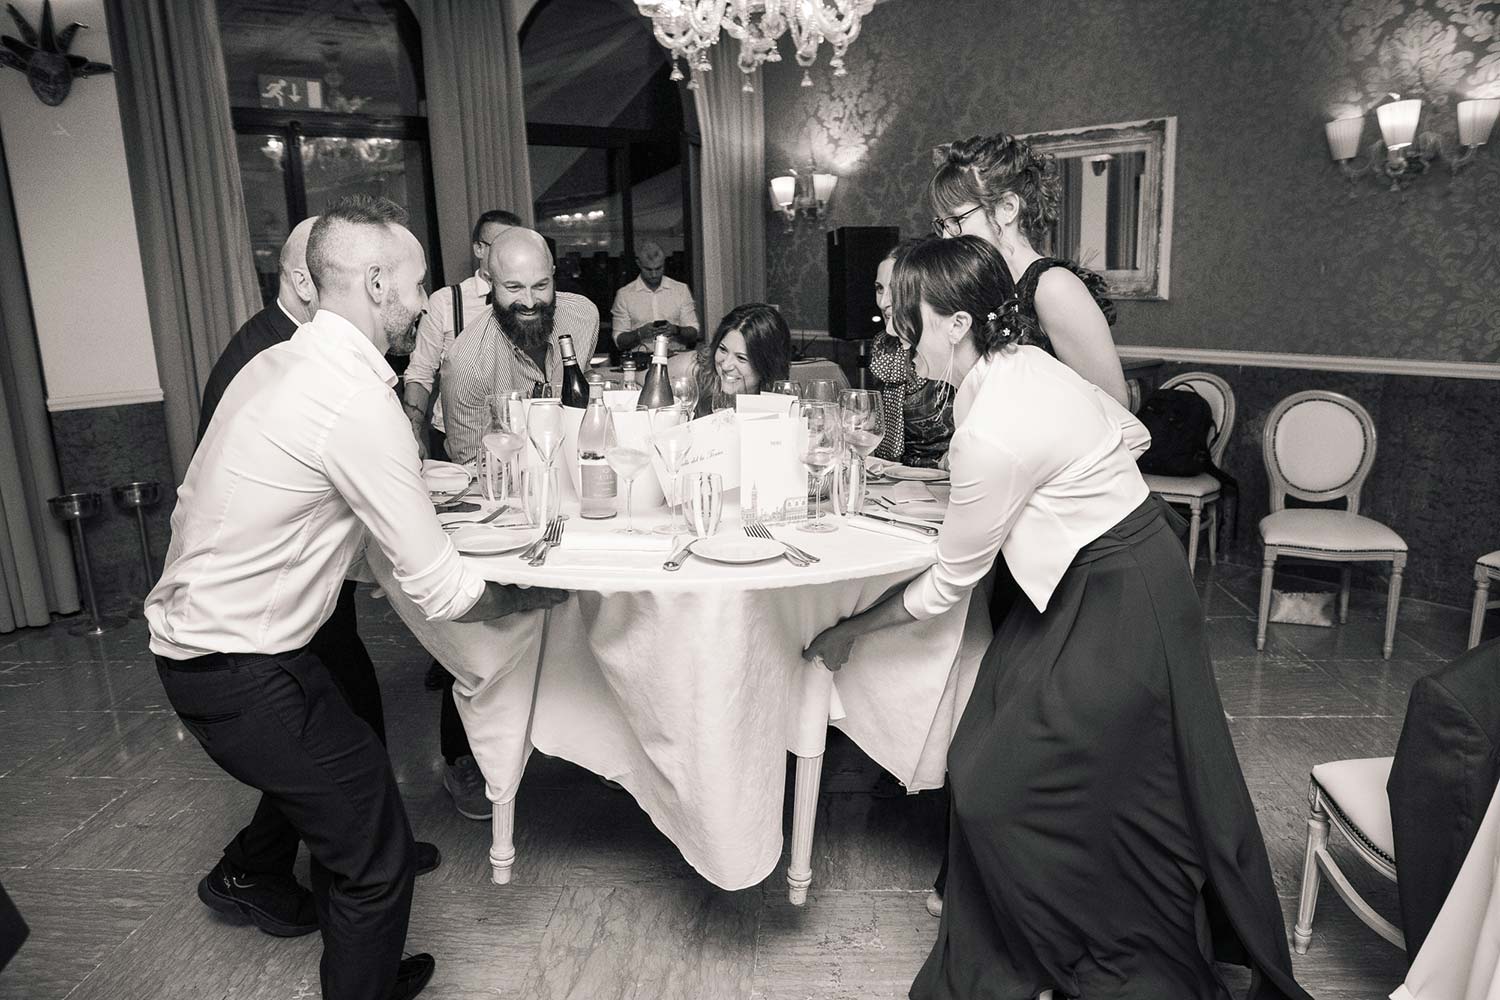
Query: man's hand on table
x,y
499,600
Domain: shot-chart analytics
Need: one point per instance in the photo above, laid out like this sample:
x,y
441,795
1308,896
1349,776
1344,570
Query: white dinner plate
x,y
737,549
483,540
909,474
444,477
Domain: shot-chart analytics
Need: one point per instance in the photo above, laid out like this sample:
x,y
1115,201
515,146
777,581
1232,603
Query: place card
x,y
714,446
773,480
765,402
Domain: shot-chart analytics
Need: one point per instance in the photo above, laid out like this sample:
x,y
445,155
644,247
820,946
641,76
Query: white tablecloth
x,y
1460,958
688,688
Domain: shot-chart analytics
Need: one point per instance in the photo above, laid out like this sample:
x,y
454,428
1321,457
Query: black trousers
x,y
279,723
269,844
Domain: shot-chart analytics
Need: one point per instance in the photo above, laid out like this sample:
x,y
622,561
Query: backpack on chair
x,y
1180,423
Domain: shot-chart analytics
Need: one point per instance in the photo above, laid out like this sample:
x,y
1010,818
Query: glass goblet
x,y
628,461
861,420
819,443
673,449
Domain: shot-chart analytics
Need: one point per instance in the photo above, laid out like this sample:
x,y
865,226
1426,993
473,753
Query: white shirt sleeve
x,y
619,315
432,335
371,458
687,313
991,486
1137,438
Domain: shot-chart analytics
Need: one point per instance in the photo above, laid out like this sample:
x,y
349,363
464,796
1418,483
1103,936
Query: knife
x,y
921,529
675,562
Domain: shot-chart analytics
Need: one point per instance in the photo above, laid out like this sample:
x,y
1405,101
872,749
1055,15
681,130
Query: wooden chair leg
x,y
1392,603
1267,570
1481,600
1213,533
1346,582
1195,524
1307,902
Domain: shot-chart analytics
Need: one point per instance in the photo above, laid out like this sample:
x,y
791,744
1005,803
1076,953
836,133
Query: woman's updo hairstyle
x,y
964,274
982,168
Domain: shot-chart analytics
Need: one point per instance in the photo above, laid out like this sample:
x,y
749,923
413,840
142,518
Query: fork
x,y
549,541
756,529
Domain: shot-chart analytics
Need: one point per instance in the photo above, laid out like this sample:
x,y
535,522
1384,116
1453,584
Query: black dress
x,y
1103,843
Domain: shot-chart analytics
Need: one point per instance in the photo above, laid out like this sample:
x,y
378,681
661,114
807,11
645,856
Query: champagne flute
x,y
819,442
861,419
820,390
544,424
628,462
673,449
685,392
502,442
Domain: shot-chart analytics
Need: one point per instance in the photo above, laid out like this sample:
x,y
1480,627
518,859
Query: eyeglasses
x,y
952,225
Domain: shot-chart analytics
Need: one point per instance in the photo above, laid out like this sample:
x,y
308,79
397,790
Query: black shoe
x,y
428,857
411,975
436,677
275,904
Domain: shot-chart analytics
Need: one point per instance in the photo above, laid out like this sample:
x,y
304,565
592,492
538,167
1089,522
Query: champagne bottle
x,y
597,482
657,392
575,390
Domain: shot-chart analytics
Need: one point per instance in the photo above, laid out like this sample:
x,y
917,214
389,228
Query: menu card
x,y
714,446
773,480
764,402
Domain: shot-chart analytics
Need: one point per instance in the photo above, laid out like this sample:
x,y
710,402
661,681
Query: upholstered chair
x,y
1319,446
1200,493
1485,570
1350,796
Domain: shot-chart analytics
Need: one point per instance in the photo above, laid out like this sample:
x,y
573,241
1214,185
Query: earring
x,y
948,371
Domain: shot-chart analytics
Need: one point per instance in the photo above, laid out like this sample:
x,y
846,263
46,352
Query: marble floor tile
x,y
1356,640
90,687
39,813
124,745
23,735
861,944
77,920
1283,687
1229,638
1384,684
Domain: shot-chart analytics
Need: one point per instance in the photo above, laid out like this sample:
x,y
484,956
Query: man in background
x,y
437,330
654,304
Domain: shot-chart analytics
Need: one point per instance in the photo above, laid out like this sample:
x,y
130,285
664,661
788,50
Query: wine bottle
x,y
657,392
597,482
575,389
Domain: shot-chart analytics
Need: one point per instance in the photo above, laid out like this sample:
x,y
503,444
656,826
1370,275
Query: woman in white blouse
x,y
1103,843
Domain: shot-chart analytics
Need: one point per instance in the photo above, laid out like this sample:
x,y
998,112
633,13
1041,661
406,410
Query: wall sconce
x,y
1402,153
805,195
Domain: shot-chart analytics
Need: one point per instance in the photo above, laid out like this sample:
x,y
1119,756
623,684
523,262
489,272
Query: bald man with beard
x,y
307,460
513,347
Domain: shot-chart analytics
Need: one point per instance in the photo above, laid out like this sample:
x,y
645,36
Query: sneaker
x,y
411,975
276,904
428,857
934,903
466,785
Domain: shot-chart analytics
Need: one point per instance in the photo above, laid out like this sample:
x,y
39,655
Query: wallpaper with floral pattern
x,y
1270,252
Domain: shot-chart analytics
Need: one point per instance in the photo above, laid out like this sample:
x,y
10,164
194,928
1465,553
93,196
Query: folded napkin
x,y
894,531
904,492
610,541
918,510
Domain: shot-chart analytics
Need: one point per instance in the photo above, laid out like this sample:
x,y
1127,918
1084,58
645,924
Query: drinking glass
x,y
685,392
503,440
628,462
819,444
861,420
786,387
820,390
673,449
704,502
544,424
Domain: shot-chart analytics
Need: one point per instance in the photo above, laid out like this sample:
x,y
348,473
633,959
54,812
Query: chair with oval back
x,y
1200,493
1319,447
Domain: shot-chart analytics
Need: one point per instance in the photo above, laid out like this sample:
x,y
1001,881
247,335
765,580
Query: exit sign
x,y
290,92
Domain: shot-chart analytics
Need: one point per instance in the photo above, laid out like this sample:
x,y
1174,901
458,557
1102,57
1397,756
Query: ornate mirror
x,y
1116,211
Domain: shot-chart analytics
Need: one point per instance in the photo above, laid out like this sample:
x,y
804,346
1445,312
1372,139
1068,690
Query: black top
x,y
265,329
1024,304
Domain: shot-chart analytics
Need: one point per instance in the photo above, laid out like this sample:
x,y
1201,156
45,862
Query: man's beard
x,y
527,332
400,326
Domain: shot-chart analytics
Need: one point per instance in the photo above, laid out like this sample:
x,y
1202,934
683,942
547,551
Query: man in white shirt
x,y
653,304
436,332
308,456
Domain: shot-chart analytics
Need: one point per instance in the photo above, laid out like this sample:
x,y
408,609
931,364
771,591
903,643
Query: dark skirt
x,y
1103,842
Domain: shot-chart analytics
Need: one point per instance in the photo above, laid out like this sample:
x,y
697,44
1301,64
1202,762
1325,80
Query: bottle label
x,y
598,488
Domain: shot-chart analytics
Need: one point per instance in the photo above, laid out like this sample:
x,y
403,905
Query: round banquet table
x,y
688,688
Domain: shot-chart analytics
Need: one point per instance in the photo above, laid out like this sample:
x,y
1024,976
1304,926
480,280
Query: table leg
x,y
804,815
502,841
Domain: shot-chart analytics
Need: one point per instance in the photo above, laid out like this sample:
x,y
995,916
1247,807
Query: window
x,y
328,100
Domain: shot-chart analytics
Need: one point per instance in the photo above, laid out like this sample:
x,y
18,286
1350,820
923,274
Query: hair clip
x,y
991,317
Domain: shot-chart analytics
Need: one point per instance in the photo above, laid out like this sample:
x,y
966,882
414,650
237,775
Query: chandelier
x,y
687,29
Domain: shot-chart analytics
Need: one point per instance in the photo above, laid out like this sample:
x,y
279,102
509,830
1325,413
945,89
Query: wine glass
x,y
544,424
685,392
673,449
786,387
819,442
503,441
820,390
861,419
628,462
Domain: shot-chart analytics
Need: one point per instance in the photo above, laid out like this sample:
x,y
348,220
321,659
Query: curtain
x,y
1124,209
733,179
476,119
36,559
1070,219
189,206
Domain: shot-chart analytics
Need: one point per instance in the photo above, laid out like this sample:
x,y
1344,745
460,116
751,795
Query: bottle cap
x,y
660,351
565,342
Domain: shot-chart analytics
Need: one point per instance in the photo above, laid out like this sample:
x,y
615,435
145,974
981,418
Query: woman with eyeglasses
x,y
997,188
1103,842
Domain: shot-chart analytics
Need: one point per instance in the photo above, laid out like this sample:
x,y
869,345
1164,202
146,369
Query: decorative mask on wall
x,y
44,57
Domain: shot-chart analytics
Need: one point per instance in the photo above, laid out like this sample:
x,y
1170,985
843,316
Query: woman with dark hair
x,y
752,347
997,188
918,414
1103,843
